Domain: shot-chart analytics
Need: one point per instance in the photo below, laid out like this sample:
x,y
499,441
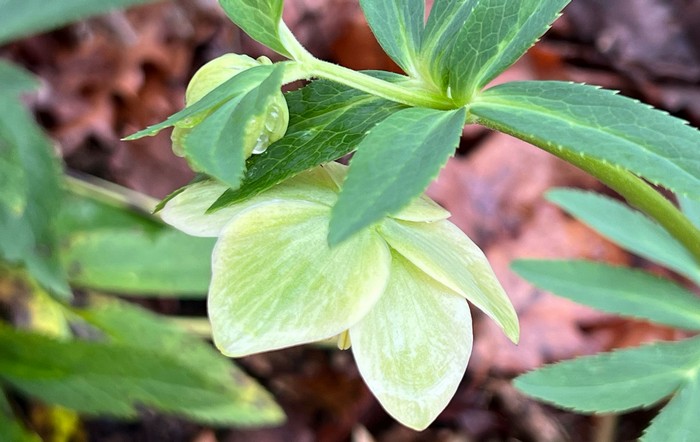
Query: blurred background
x,y
109,76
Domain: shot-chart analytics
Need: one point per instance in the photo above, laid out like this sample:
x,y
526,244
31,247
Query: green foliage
x,y
627,227
398,26
10,429
411,146
618,381
260,19
616,290
29,173
144,362
327,121
24,17
589,121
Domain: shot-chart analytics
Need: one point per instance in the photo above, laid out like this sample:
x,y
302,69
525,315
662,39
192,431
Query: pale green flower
x,y
398,288
263,131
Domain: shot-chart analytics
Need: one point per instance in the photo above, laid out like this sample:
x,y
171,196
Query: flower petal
x,y
412,348
444,252
187,211
422,209
276,283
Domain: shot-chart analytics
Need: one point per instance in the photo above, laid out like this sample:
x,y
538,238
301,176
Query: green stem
x,y
111,194
413,96
640,195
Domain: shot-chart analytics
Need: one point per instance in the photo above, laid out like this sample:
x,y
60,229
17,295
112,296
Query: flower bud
x,y
260,132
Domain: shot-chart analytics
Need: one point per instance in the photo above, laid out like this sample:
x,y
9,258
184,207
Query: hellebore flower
x,y
396,289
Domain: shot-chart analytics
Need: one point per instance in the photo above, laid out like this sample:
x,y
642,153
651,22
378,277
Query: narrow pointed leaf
x,y
412,348
327,121
393,165
585,120
615,381
616,290
445,253
628,228
494,36
11,429
398,26
276,283
677,422
109,378
22,18
32,195
233,87
260,19
247,404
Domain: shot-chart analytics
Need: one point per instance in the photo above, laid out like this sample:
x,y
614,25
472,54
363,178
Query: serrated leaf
x,y
628,228
616,290
31,188
677,422
398,26
691,209
108,378
588,121
260,19
218,144
617,381
492,36
327,121
393,165
25,17
124,323
228,90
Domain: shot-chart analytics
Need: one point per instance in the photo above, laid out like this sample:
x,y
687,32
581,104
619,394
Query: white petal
x,y
413,347
444,252
276,283
187,210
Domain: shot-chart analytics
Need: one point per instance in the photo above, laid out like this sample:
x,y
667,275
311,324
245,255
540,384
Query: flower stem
x,y
641,195
413,96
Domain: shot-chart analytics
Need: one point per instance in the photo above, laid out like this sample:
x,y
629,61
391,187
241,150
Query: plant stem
x,y
641,195
413,96
111,194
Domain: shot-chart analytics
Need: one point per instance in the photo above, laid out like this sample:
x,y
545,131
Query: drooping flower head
x,y
399,288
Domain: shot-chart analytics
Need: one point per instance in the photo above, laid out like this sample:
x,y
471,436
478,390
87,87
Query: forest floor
x,y
110,76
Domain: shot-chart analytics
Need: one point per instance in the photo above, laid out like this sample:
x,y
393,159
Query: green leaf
x,y
691,209
124,323
218,144
676,422
10,429
393,165
616,290
327,121
260,19
31,191
493,36
615,381
24,17
628,228
588,121
111,248
398,26
110,378
233,87
168,263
